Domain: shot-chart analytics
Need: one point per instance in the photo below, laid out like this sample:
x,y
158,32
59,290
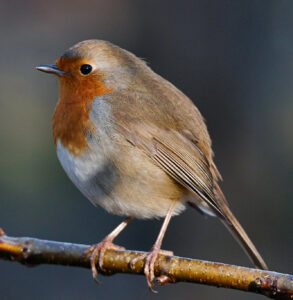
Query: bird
x,y
135,145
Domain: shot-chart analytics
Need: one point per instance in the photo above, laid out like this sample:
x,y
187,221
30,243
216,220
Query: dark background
x,y
233,58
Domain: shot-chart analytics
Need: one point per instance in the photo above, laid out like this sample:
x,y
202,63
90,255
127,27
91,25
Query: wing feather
x,y
191,173
178,156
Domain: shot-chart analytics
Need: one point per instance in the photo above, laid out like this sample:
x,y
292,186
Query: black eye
x,y
86,69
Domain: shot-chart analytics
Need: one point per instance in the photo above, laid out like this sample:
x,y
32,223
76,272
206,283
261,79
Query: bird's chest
x,y
84,144
80,168
70,125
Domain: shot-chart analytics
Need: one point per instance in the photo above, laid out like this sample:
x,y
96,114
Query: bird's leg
x,y
98,250
150,258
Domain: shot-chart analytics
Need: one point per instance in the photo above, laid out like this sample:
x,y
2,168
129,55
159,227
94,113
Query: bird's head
x,y
92,68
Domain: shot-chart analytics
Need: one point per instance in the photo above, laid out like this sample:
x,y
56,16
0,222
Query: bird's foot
x,y
97,252
149,264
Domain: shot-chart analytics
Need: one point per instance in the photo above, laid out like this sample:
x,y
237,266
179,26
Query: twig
x,y
172,269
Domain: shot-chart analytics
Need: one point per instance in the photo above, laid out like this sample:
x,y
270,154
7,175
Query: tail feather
x,y
237,230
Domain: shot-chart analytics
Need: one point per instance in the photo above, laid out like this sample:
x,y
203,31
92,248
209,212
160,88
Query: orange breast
x,y
76,93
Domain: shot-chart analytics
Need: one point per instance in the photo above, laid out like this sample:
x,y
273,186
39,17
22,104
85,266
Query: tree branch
x,y
30,251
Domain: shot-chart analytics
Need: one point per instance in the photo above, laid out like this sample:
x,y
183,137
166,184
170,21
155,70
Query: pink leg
x,y
98,250
150,258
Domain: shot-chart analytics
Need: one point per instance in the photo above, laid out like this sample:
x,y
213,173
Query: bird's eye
x,y
86,69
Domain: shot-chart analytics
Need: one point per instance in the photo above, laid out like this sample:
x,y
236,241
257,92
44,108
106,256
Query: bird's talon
x,y
166,252
136,259
97,254
149,267
95,276
152,290
97,280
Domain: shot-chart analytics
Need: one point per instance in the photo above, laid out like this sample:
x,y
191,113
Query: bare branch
x,y
30,251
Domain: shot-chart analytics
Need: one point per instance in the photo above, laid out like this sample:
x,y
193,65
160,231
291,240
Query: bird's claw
x,y
149,268
149,264
97,252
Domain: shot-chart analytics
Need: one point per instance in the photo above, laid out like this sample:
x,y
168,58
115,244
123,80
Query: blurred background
x,y
234,59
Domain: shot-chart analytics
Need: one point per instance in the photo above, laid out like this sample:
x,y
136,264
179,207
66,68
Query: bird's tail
x,y
237,231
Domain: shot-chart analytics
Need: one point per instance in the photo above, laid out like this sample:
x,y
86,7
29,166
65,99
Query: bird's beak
x,y
53,69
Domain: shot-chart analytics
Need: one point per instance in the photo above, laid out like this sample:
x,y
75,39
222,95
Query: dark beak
x,y
52,69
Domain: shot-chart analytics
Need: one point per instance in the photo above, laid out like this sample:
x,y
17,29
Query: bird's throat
x,y
71,117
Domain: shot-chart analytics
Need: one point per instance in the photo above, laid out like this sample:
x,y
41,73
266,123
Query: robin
x,y
134,144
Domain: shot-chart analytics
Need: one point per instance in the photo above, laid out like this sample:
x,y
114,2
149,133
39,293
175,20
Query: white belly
x,y
84,170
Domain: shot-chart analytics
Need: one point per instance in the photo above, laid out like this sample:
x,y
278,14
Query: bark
x,y
168,269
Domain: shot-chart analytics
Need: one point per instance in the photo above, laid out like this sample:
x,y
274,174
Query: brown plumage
x,y
139,146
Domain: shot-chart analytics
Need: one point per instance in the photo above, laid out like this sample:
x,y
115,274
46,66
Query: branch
x,y
30,251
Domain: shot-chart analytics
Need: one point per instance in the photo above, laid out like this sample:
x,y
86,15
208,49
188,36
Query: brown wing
x,y
184,161
179,157
187,165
